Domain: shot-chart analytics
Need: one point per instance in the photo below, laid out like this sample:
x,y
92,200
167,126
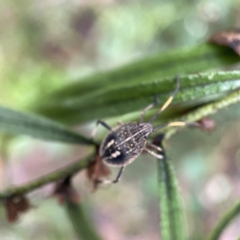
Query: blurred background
x,y
47,44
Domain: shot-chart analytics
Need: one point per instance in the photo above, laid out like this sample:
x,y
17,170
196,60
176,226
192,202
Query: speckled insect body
x,y
124,143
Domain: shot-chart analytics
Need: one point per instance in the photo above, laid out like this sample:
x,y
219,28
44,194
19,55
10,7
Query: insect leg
x,y
159,156
118,178
167,103
144,111
148,108
103,124
155,147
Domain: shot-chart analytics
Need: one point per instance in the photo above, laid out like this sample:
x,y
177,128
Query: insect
x,y
124,143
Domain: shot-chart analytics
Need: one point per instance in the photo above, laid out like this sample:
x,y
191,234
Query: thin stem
x,y
226,219
207,110
51,177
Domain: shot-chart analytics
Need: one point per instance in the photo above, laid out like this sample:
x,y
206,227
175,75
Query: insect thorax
x,y
124,143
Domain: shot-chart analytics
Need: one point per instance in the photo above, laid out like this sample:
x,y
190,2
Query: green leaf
x,y
172,222
182,61
118,100
80,222
15,122
224,221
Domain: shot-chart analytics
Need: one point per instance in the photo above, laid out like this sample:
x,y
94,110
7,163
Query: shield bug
x,y
124,143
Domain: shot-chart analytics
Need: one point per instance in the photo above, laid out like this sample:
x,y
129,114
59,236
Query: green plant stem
x,y
51,177
226,219
80,222
206,110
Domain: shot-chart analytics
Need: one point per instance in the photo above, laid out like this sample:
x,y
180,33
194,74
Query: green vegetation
x,y
55,78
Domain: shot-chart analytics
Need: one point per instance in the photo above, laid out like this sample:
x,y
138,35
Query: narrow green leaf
x,y
172,222
15,122
182,61
80,222
131,97
224,221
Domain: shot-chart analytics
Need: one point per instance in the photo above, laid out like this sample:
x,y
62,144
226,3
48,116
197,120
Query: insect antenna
x,y
167,103
177,124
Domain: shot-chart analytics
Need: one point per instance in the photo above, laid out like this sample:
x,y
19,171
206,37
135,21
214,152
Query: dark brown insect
x,y
124,143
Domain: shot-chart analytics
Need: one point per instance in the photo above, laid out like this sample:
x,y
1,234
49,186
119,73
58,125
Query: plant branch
x,y
51,177
206,110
